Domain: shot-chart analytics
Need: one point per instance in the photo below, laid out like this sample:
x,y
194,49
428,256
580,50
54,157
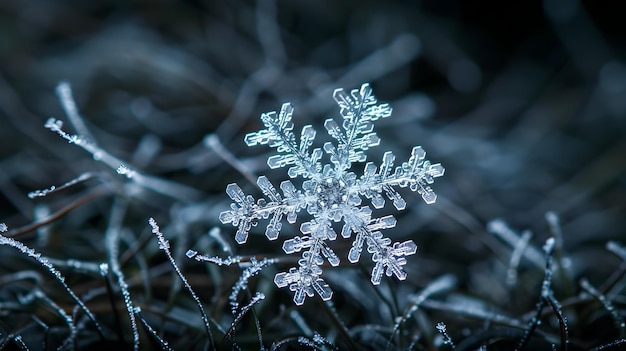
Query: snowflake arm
x,y
245,212
387,259
305,280
358,109
278,133
417,173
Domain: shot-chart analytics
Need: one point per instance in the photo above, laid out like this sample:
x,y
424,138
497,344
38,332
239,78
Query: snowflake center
x,y
331,193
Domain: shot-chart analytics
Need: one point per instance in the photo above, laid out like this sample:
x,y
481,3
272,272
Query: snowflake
x,y
331,193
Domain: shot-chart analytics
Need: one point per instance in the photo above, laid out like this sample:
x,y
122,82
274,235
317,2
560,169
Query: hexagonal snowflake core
x,y
331,193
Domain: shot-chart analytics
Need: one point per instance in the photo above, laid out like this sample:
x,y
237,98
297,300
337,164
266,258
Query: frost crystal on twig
x,y
332,192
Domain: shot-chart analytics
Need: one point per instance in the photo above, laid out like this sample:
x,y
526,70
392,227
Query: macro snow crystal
x,y
332,193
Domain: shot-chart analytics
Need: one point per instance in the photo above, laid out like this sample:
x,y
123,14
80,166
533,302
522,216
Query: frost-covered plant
x,y
332,192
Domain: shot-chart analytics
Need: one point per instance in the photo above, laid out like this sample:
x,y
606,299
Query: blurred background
x,y
523,103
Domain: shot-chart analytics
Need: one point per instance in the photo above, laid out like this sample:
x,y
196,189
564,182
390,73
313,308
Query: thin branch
x,y
95,193
564,331
165,246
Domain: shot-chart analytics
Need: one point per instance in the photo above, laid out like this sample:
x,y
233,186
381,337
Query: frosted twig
x,y
259,296
17,339
162,186
88,143
316,342
613,345
123,170
343,330
563,262
213,259
532,325
64,92
277,344
142,264
618,320
257,324
69,341
77,265
617,249
548,249
112,240
81,178
58,276
251,270
21,275
104,273
128,302
611,287
437,286
164,345
165,246
545,292
555,229
447,340
516,256
564,330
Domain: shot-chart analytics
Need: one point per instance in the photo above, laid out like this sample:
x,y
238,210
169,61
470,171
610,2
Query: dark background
x,y
524,103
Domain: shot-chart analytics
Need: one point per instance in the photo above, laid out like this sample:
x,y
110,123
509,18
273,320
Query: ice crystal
x,y
250,271
332,192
